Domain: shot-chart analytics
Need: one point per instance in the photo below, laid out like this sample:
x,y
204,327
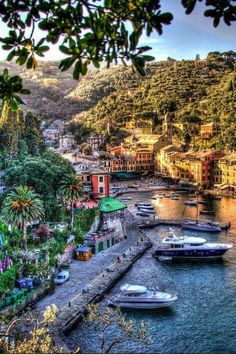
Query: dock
x,y
73,312
175,222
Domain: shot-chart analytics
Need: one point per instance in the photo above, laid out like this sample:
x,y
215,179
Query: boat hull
x,y
203,228
142,306
200,254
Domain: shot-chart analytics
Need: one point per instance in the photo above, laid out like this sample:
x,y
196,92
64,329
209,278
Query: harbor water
x,y
203,319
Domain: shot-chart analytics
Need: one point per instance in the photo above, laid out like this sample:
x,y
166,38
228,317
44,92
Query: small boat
x,y
191,248
174,197
191,202
139,297
147,211
143,204
139,213
207,212
201,202
200,226
125,198
146,207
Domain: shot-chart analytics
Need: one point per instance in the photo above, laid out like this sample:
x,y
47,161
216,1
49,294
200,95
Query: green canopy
x,y
109,205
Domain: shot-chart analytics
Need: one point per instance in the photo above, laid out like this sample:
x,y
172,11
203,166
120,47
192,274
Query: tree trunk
x,y
72,215
4,114
24,236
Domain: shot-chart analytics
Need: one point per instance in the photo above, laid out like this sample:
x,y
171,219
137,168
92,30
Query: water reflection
x,y
204,317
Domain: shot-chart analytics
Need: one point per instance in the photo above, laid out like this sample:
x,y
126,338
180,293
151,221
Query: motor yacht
x,y
139,297
191,248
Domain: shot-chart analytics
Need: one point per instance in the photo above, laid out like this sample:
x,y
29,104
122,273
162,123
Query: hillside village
x,y
144,153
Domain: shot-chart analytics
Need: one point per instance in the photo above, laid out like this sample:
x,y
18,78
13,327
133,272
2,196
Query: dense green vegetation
x,y
204,88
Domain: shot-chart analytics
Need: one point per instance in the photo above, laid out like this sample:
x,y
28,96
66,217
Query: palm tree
x,y
20,206
10,87
70,191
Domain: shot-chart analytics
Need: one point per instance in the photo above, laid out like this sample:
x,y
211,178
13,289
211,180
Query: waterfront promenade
x,y
90,273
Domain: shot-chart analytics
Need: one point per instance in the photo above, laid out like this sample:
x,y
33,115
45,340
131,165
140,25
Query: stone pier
x,y
73,311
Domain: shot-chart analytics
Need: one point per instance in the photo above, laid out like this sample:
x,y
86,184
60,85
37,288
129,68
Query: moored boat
x,y
146,207
125,198
143,204
139,213
200,226
191,248
207,212
139,297
147,211
191,202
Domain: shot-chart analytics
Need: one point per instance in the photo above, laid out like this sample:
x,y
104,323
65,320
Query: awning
x,y
110,205
225,186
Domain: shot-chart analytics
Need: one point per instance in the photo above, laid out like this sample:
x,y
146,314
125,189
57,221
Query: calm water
x,y
204,317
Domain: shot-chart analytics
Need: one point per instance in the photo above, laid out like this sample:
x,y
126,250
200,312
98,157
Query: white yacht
x,y
186,247
139,297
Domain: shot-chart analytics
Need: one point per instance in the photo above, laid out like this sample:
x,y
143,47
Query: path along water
x,y
204,317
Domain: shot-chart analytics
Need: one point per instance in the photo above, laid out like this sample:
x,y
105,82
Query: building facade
x,y
225,170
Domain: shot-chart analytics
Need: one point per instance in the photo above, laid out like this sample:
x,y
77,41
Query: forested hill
x,y
205,88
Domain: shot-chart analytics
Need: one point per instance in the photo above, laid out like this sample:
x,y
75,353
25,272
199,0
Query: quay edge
x,y
74,312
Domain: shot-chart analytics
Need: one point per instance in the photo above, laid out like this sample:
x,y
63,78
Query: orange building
x,y
96,182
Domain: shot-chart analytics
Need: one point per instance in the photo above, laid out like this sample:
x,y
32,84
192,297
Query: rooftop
x,y
109,205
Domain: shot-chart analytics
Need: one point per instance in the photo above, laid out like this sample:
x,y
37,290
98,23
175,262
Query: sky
x,y
187,36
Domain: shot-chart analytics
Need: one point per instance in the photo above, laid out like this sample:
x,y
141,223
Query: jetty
x,y
73,312
175,222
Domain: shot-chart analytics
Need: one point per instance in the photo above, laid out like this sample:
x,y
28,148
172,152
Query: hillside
x,y
205,88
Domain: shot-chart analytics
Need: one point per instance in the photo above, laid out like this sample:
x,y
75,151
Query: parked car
x,y
62,277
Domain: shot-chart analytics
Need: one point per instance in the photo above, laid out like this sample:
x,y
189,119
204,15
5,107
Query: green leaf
x,y
65,64
11,55
96,63
65,50
25,92
148,58
77,70
22,59
29,63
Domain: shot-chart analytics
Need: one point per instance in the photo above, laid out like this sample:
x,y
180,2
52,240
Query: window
x,y
88,178
100,178
101,190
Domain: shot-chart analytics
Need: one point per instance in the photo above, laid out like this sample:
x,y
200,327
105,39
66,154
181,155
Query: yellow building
x,y
188,167
225,170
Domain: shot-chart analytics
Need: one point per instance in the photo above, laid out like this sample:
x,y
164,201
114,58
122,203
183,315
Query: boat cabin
x,y
181,242
133,290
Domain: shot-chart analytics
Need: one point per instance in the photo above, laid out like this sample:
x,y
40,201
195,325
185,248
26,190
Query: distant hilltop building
x,y
140,125
209,130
